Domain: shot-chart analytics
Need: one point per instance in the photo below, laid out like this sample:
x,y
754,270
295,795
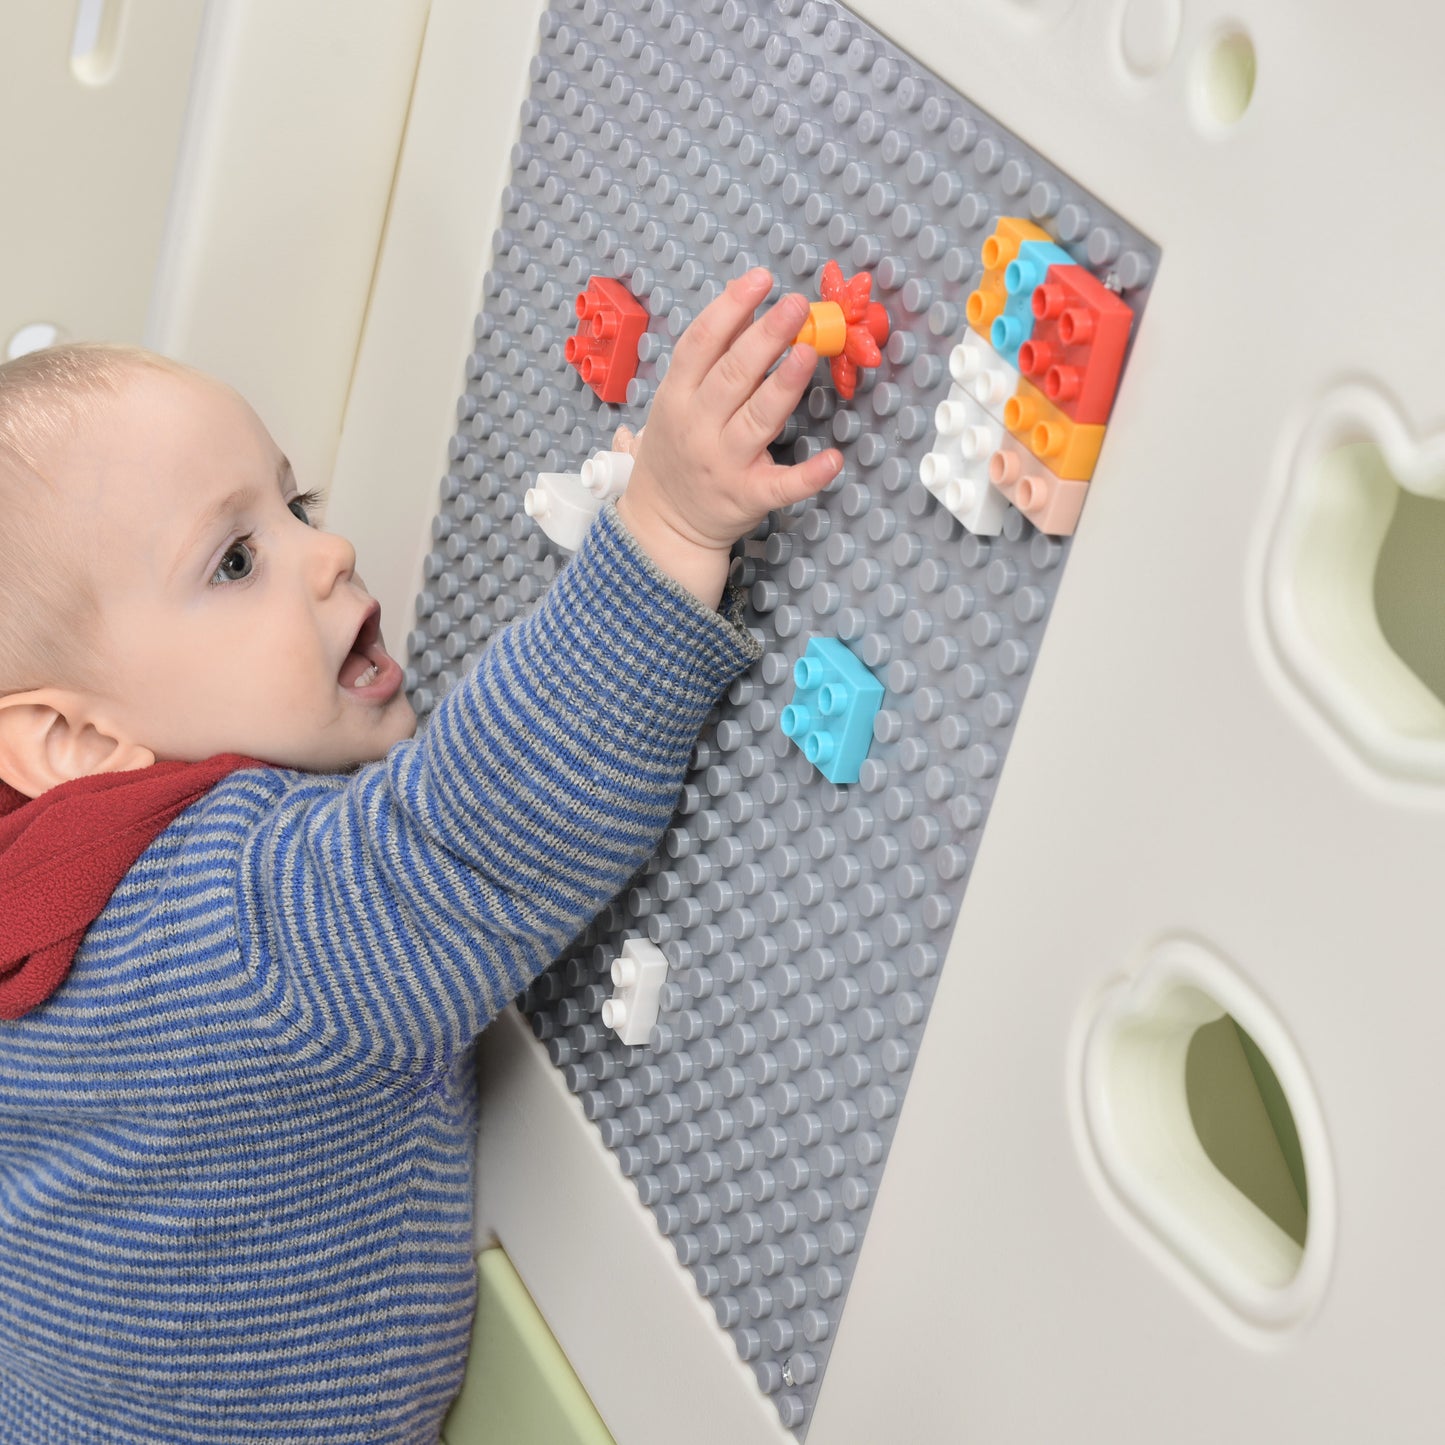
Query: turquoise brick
x,y
835,699
1025,274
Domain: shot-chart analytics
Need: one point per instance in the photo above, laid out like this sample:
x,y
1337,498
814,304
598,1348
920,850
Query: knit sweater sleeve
x,y
387,917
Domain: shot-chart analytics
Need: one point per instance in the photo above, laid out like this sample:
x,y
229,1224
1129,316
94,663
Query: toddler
x,y
250,926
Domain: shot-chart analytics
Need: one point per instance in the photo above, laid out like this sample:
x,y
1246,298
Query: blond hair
x,y
48,609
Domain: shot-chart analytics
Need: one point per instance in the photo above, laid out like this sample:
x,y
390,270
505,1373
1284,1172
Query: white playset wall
x,y
1224,794
210,177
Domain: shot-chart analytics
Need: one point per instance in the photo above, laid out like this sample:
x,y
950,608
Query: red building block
x,y
1080,331
610,322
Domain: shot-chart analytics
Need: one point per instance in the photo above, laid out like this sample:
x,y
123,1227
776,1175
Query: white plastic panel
x,y
90,148
280,200
469,86
211,179
1168,778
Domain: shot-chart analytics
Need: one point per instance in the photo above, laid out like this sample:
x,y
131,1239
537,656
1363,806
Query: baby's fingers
x,y
782,486
739,373
760,418
714,329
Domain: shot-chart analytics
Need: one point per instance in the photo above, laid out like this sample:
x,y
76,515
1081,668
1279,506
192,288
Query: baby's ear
x,y
47,737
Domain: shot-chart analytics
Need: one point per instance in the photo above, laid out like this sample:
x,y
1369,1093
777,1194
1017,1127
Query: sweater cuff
x,y
720,632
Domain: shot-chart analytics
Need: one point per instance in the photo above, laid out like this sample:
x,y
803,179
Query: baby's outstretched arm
x,y
703,476
387,917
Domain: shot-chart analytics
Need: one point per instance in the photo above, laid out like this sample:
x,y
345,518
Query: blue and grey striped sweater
x,y
235,1148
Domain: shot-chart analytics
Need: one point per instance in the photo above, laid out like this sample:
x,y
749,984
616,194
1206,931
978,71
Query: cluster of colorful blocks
x,y
1033,384
1034,379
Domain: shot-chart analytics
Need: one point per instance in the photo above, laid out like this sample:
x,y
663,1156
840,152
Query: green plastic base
x,y
519,1388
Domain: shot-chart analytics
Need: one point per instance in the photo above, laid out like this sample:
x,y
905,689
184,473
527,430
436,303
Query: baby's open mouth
x,y
368,667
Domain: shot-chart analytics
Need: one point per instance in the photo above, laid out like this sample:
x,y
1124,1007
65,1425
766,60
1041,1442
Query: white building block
x,y
637,975
955,469
562,507
982,372
606,474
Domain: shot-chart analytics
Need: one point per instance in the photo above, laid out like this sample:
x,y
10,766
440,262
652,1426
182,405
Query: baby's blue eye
x,y
304,506
236,564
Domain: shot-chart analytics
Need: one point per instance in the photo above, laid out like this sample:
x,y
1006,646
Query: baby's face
x,y
228,623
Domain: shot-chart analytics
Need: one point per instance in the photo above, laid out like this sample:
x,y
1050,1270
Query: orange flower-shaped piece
x,y
847,326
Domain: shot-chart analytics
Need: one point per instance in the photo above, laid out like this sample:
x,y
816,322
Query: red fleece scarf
x,y
62,855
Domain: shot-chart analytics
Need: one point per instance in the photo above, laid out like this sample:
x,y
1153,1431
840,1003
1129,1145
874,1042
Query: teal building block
x,y
835,699
1024,275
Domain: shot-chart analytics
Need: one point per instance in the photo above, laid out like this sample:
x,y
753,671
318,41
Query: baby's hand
x,y
702,476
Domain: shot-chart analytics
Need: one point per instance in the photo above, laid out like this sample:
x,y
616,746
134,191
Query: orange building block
x,y
1068,448
825,330
1077,347
988,300
1050,502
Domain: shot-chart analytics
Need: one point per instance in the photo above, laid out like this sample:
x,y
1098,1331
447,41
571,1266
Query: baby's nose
x,y
334,559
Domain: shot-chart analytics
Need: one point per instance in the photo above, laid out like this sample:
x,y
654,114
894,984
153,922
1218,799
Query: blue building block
x,y
1025,274
835,700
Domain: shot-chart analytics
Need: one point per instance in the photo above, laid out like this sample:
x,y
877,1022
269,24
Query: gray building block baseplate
x,y
672,147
